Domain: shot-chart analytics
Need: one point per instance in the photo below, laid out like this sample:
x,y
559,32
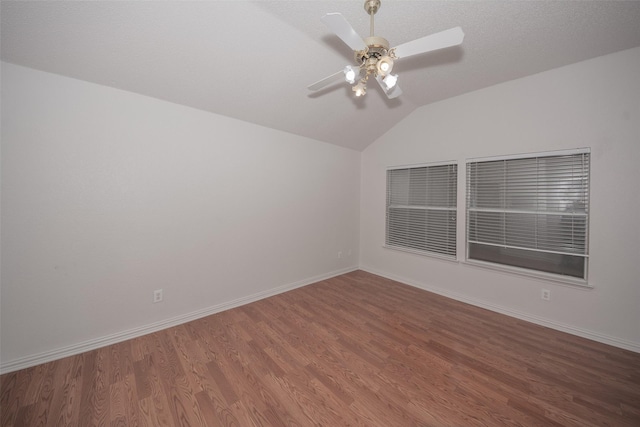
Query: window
x,y
530,212
421,209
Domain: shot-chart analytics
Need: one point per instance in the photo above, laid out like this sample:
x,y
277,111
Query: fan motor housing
x,y
376,47
377,42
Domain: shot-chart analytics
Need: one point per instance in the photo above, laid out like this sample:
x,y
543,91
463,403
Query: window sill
x,y
422,253
539,275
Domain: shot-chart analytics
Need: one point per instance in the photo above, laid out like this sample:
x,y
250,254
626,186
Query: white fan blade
x,y
341,27
446,38
394,92
333,78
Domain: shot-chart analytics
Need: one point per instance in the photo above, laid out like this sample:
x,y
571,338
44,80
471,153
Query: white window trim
x,y
529,155
423,253
450,258
422,165
536,274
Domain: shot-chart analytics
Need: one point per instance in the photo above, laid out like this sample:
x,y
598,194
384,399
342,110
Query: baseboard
x,y
594,336
49,356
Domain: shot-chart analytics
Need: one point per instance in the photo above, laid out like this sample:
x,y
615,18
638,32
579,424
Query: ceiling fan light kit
x,y
390,80
373,56
350,74
384,65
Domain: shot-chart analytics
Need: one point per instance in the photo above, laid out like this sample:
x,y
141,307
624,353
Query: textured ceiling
x,y
253,60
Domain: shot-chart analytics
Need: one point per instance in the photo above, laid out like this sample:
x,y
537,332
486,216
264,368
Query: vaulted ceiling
x,y
254,60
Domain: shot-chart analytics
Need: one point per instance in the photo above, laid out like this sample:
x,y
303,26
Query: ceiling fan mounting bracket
x,y
371,6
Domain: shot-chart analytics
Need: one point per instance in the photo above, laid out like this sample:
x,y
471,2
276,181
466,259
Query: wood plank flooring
x,y
356,350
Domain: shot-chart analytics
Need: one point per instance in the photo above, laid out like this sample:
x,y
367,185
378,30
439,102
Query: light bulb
x,y
349,74
360,89
384,65
390,81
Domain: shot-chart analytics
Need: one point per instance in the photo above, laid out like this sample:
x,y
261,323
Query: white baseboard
x,y
48,356
594,336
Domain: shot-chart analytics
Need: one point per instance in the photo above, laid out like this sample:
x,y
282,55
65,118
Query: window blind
x,y
421,209
530,212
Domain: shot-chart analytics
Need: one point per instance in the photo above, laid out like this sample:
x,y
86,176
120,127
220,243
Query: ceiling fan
x,y
373,56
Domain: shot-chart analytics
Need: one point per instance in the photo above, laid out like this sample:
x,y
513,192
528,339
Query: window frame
x,y
455,210
530,272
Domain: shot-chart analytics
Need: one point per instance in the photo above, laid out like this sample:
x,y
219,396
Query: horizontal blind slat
x,y
537,203
421,208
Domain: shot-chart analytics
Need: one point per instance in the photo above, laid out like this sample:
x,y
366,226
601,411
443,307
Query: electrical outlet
x,y
546,294
339,254
157,295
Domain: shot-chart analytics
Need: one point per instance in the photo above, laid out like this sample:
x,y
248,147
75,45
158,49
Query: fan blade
x,y
333,78
394,92
341,27
446,38
349,72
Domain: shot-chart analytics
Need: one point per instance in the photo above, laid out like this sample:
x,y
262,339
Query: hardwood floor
x,y
353,350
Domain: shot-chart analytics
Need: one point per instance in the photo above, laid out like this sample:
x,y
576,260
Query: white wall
x,y
592,104
108,195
